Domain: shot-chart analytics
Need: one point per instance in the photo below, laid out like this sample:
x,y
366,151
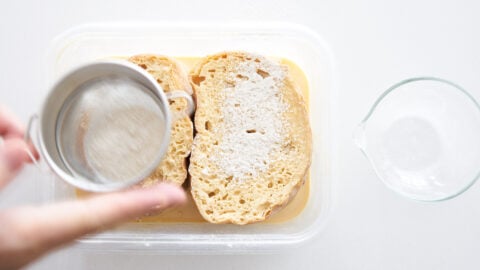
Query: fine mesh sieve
x,y
105,126
110,130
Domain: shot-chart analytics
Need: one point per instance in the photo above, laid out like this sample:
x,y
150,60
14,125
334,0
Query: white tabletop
x,y
375,44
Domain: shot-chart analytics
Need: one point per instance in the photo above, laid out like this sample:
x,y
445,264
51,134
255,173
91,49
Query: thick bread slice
x,y
252,149
170,75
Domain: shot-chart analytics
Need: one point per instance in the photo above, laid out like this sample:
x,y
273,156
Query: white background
x,y
376,43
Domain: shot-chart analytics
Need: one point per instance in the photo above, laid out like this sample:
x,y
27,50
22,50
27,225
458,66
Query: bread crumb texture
x,y
171,76
252,149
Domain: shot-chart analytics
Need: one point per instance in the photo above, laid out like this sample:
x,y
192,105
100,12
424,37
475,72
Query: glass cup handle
x,y
182,94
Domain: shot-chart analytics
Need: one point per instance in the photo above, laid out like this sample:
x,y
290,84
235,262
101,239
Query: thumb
x,y
29,232
13,154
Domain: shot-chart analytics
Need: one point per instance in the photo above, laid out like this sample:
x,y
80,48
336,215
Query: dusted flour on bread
x,y
253,143
253,131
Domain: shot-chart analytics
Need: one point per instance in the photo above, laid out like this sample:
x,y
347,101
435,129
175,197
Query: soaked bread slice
x,y
252,149
171,76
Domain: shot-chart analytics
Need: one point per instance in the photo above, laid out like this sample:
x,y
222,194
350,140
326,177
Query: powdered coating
x,y
252,130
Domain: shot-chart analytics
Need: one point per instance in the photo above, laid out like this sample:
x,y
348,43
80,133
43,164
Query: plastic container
x,y
296,43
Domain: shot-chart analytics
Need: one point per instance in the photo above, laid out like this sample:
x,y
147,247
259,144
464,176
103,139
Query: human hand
x,y
27,233
13,149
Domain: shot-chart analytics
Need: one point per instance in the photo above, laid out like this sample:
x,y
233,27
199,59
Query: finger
x,y
13,154
10,125
35,231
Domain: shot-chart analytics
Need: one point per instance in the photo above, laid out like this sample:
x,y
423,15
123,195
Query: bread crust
x,y
171,76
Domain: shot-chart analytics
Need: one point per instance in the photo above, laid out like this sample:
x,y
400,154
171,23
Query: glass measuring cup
x,y
422,138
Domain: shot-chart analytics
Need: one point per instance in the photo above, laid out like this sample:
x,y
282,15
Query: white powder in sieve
x,y
252,126
125,130
125,144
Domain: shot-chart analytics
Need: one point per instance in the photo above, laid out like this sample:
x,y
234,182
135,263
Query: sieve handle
x,y
27,137
181,94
